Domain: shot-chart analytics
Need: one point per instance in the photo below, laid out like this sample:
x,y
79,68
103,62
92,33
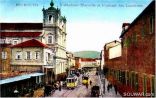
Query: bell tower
x,y
50,15
54,35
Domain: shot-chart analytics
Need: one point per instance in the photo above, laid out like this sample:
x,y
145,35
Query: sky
x,y
90,23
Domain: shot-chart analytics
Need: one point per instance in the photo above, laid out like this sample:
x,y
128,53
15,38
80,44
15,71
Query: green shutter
x,y
133,79
127,42
151,24
134,38
136,82
126,77
130,78
143,32
145,85
153,86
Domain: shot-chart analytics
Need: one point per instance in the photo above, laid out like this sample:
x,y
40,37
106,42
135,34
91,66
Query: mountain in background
x,y
87,54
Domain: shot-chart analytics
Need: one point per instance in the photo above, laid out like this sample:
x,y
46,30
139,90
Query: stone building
x,y
15,33
54,35
77,62
81,63
71,59
32,56
134,71
112,54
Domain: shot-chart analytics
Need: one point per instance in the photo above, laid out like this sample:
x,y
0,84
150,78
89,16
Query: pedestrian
x,y
115,88
108,87
90,82
86,85
46,90
16,92
59,86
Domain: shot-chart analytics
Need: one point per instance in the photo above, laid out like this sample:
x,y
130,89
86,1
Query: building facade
x,y
51,33
15,33
134,71
5,58
54,35
71,59
112,54
32,56
81,63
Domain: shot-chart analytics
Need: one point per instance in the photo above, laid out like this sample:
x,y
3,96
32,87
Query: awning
x,y
36,74
14,79
18,78
48,66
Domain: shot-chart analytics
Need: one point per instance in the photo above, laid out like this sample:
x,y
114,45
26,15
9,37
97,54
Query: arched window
x,y
51,19
50,39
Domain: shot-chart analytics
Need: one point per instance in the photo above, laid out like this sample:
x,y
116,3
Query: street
x,y
80,90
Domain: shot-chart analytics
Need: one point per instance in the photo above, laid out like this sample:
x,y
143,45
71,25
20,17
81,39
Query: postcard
x,y
77,48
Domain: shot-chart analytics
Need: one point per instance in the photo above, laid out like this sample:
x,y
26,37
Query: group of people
x,y
109,86
51,88
87,84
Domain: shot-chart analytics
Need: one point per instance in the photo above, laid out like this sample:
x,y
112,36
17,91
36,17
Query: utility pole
x,y
101,72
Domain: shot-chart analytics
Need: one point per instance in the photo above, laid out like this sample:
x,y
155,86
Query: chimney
x,y
125,26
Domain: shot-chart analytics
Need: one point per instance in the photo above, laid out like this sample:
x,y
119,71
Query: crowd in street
x,y
50,89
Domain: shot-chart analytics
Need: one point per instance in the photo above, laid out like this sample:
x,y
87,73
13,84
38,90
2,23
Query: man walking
x,y
87,85
115,88
90,82
59,86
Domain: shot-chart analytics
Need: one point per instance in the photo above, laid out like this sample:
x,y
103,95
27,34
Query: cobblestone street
x,y
82,91
79,91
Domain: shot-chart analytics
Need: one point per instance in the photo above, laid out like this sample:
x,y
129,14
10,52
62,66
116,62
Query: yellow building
x,y
32,56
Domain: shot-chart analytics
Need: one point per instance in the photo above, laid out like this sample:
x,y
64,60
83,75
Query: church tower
x,y
54,34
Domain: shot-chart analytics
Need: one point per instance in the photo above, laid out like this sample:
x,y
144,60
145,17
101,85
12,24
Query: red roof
x,y
20,34
30,43
21,26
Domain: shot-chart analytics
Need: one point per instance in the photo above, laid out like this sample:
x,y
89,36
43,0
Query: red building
x,y
77,62
136,73
86,62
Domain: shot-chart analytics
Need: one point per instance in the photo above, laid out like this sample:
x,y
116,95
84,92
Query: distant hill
x,y
87,54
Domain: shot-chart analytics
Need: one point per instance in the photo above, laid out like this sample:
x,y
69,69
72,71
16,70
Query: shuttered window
x,y
136,82
153,86
28,55
145,84
134,39
151,24
4,55
37,55
18,55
